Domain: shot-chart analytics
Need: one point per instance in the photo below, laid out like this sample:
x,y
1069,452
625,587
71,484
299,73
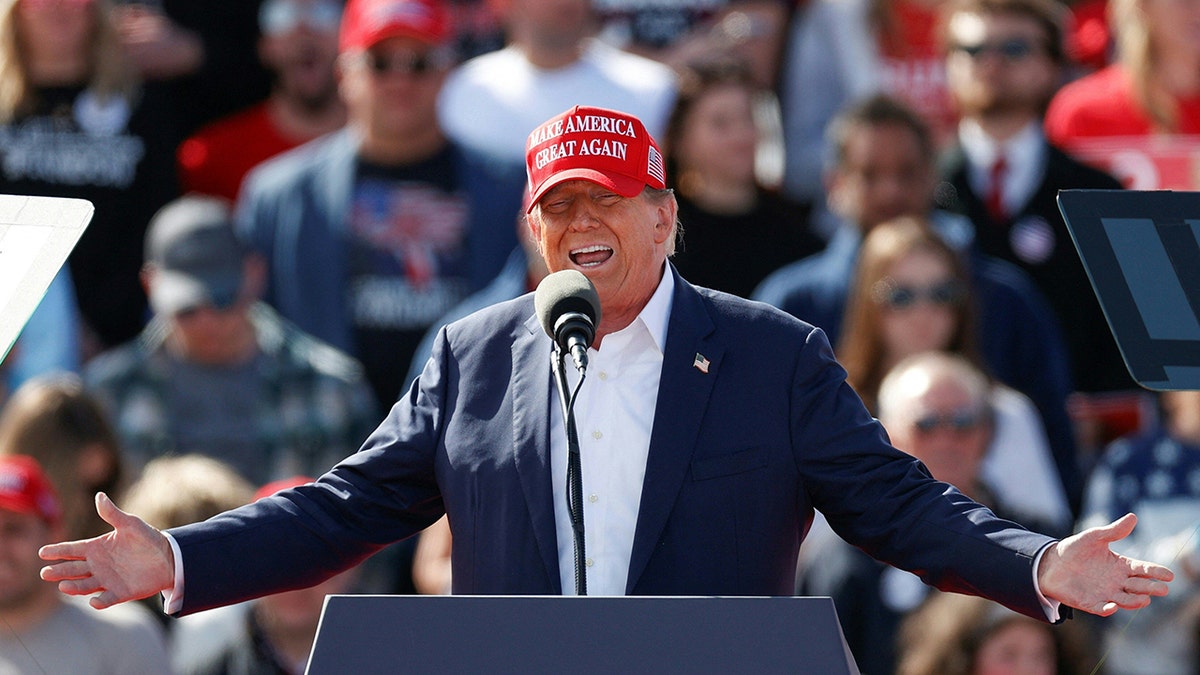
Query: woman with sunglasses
x,y
911,294
76,122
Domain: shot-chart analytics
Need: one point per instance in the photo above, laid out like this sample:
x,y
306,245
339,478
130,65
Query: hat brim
x,y
21,505
173,292
618,183
428,37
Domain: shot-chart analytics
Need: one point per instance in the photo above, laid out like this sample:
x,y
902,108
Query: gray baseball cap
x,y
191,244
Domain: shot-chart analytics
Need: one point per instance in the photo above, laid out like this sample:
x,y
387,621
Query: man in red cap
x,y
711,427
373,232
34,618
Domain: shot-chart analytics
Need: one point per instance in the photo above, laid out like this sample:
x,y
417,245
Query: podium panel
x,y
366,634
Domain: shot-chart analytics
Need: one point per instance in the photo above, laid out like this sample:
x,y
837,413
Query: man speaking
x,y
709,428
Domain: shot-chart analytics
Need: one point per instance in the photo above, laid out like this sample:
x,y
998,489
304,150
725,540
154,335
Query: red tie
x,y
995,196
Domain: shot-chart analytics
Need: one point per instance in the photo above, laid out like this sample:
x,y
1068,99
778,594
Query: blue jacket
x,y
739,457
293,210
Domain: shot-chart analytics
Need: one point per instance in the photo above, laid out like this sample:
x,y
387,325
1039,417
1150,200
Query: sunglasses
x,y
408,63
1012,50
896,296
277,17
958,421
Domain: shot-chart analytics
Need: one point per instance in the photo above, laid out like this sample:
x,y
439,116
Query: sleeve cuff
x,y
1050,607
173,599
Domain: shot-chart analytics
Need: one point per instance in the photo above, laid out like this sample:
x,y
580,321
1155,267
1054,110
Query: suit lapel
x,y
683,394
531,438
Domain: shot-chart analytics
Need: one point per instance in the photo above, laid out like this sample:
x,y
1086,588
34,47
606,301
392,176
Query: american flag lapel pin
x,y
700,363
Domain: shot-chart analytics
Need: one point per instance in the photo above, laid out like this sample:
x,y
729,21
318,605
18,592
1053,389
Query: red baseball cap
x,y
366,22
24,488
606,147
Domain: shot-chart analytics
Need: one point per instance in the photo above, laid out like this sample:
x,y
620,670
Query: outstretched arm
x,y
133,561
1082,572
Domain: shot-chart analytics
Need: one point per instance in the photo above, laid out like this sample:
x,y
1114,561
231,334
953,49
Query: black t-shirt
x,y
733,253
119,155
407,264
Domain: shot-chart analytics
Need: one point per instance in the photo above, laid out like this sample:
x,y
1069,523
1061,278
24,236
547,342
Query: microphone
x,y
569,308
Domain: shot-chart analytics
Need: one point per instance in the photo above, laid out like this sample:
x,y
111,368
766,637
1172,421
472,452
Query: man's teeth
x,y
590,256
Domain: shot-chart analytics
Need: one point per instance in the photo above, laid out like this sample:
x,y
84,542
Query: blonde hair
x,y
1135,51
52,419
182,489
112,75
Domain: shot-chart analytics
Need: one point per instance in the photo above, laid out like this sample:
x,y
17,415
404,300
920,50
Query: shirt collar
x,y
981,150
657,312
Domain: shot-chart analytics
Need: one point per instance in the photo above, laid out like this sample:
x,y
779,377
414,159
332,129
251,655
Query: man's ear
x,y
667,212
534,231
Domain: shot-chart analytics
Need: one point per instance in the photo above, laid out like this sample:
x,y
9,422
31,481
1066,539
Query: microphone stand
x,y
574,468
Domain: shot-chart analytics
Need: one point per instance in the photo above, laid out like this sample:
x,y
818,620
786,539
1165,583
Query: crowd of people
x,y
293,196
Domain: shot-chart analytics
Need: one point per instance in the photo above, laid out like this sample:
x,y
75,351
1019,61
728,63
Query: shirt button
x,y
593,498
604,375
597,435
588,562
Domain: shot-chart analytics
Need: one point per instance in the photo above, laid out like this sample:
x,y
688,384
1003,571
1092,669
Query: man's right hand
x,y
133,561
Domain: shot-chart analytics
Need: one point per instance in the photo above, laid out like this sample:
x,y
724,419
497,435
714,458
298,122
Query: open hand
x,y
133,561
1081,571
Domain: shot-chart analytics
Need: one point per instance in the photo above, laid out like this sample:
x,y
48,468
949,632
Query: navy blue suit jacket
x,y
739,457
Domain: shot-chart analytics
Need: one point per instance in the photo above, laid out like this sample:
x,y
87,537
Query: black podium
x,y
367,634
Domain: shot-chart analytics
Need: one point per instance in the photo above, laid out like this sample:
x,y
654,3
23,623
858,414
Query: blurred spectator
x,y
967,635
1131,117
941,408
35,617
372,233
550,64
274,634
1156,475
885,169
938,408
74,122
911,294
52,419
736,232
49,341
219,373
202,51
839,52
1004,60
299,46
680,32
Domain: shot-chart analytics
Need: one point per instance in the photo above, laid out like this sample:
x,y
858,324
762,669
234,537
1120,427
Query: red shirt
x,y
1098,119
1103,104
219,155
914,69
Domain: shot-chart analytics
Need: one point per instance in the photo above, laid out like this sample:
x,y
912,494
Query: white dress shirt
x,y
1024,155
614,414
